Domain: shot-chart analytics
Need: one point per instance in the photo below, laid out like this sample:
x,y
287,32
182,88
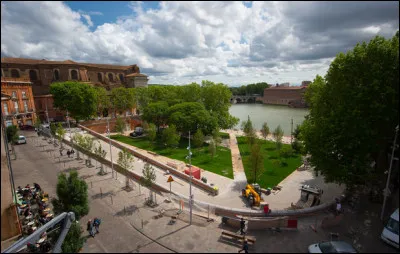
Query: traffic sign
x,y
170,179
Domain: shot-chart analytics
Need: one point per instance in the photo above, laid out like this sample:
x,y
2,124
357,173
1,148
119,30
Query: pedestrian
x,y
338,207
245,247
242,226
61,152
90,228
72,152
96,223
69,154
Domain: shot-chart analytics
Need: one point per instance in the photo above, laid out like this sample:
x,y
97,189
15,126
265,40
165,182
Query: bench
x,y
250,239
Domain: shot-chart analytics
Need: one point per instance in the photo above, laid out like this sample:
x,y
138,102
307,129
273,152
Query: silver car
x,y
331,247
21,140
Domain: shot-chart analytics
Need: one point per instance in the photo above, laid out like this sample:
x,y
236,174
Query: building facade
x,y
285,95
43,72
20,108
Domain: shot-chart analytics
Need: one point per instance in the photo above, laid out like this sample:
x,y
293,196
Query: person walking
x,y
69,154
90,228
242,226
338,207
96,223
245,247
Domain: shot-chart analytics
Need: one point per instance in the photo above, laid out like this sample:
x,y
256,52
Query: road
x,y
116,235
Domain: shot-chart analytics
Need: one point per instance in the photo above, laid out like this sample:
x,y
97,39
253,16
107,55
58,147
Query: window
x,y
5,108
99,77
110,77
16,107
14,73
14,94
74,75
24,94
32,75
56,75
121,77
26,106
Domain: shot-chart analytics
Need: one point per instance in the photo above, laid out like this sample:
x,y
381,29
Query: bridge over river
x,y
245,98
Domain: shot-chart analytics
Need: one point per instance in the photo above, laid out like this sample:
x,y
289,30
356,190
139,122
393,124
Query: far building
x,y
292,96
18,106
43,72
305,83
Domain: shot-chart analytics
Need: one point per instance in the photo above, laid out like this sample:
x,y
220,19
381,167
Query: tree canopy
x,y
354,112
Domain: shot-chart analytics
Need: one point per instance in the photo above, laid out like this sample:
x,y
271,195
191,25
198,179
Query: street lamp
x,y
190,170
386,191
108,132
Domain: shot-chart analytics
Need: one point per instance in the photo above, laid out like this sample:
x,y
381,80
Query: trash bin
x,y
266,208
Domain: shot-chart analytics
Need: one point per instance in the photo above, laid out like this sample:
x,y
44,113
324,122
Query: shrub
x,y
286,152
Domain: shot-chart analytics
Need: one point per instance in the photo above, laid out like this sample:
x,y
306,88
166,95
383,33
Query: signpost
x,y
170,180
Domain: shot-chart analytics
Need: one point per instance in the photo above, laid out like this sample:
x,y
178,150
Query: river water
x,y
274,115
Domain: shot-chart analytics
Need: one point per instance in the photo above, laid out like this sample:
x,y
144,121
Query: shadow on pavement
x,y
127,211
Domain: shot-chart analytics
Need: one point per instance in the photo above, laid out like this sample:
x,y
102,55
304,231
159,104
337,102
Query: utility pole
x,y
108,132
291,133
190,170
386,190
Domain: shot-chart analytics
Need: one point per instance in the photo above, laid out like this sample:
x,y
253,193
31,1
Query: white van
x,y
21,140
390,233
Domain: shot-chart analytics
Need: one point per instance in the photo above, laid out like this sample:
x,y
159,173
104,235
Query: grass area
x,y
224,135
221,164
274,172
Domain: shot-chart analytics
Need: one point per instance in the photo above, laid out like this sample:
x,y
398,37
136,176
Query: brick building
x,y
285,95
17,106
43,72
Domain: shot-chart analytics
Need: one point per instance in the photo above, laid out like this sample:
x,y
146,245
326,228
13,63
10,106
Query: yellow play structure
x,y
253,194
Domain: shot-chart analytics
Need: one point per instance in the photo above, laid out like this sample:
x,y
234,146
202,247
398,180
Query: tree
x,y
212,148
77,139
257,160
102,154
198,138
12,133
78,98
87,143
216,137
53,128
103,101
60,133
149,177
278,135
247,126
125,161
38,123
152,132
265,130
122,99
120,125
157,113
170,136
353,114
72,195
297,145
73,241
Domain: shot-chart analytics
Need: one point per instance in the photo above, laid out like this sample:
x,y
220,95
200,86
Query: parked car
x,y
331,247
21,140
390,233
27,128
135,134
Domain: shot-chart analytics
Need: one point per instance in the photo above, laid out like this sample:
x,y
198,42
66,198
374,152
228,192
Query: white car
x,y
390,233
331,247
21,140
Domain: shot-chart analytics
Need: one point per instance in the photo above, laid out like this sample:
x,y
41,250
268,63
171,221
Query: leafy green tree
x,y
353,114
170,136
257,161
37,123
297,144
60,133
98,151
122,99
12,133
72,195
149,177
125,161
157,113
53,128
73,241
198,138
247,126
217,137
103,101
152,132
145,126
212,148
78,98
120,125
77,140
278,135
87,143
265,130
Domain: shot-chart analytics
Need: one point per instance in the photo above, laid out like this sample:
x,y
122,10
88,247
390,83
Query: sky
x,y
173,42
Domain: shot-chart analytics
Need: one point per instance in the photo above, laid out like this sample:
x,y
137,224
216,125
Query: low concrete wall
x,y
172,170
257,224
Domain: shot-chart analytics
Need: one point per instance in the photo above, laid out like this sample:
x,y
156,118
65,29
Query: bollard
x,y
101,193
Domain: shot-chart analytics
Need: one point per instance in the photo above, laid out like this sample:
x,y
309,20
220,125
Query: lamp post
x,y
108,132
69,126
190,173
386,190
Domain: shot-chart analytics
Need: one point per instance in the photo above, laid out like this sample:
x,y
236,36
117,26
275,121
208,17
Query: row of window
x,y
74,75
16,107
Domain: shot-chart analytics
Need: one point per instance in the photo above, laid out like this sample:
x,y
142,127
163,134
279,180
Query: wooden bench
x,y
250,239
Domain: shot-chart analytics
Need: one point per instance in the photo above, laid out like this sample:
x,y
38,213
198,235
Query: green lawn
x,y
224,135
221,164
273,172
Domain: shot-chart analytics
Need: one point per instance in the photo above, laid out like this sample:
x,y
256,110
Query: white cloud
x,y
183,42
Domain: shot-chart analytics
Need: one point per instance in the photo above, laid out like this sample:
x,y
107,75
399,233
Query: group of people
x,y
69,152
93,225
41,247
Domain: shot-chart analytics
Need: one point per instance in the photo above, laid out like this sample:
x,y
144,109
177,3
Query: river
x,y
274,115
